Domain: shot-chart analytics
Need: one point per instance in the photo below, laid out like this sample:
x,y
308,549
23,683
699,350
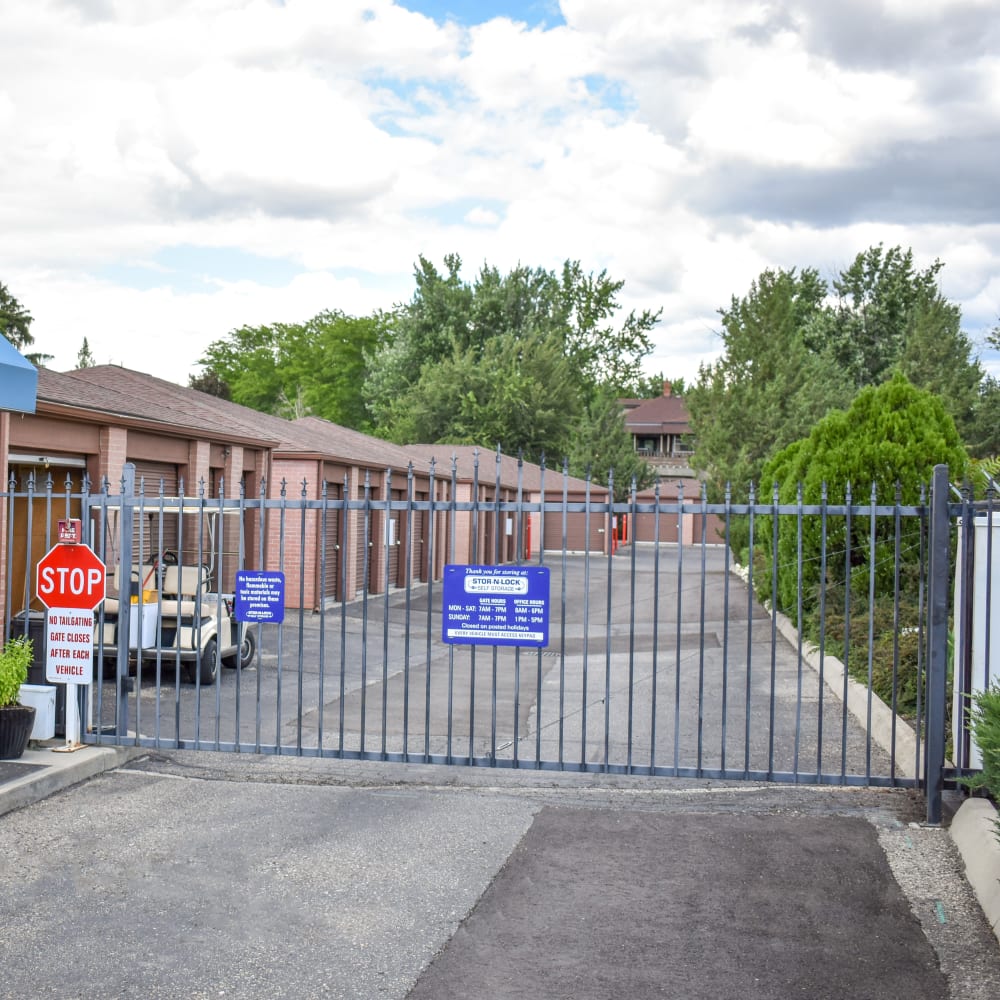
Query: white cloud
x,y
509,66
244,132
480,216
682,147
164,332
783,106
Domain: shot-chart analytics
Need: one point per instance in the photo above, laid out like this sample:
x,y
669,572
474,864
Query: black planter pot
x,y
15,729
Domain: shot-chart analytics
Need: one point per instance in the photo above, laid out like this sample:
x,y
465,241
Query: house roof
x,y
126,393
136,393
465,456
345,443
662,415
135,397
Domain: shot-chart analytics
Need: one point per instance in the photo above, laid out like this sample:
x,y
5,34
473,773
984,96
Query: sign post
x,y
71,581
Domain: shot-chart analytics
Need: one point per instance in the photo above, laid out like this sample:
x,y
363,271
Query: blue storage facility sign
x,y
496,605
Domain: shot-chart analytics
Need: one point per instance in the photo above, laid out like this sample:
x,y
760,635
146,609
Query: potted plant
x,y
16,719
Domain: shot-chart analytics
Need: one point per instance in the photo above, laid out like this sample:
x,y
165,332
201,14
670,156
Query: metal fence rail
x,y
663,658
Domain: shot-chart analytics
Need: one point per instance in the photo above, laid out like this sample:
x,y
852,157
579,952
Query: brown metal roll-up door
x,y
152,479
393,536
361,540
331,544
576,529
644,526
421,550
714,528
150,475
32,534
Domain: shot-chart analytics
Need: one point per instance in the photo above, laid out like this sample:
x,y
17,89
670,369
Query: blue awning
x,y
18,380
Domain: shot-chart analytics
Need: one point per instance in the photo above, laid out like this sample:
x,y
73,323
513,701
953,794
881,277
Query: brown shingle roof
x,y
138,394
345,443
465,456
127,393
663,415
115,390
227,420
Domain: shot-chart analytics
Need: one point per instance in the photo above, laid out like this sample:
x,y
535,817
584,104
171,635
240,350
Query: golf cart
x,y
168,613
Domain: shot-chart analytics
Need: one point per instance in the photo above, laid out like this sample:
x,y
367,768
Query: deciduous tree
x,y
295,369
768,388
517,392
510,358
879,297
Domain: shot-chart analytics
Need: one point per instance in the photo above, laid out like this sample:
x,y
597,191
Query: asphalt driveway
x,y
197,875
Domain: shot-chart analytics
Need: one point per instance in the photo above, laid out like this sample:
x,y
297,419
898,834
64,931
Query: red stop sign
x,y
71,576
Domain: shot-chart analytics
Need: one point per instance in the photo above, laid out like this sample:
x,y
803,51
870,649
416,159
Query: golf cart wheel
x,y
207,666
248,650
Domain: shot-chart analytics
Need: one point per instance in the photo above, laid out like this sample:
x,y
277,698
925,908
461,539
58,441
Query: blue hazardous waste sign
x,y
260,596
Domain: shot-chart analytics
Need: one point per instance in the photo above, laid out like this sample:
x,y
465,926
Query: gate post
x,y
937,665
125,555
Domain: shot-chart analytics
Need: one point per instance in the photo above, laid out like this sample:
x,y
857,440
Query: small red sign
x,y
70,531
71,576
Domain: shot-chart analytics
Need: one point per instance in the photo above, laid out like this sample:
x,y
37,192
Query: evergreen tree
x,y
85,357
15,320
938,356
15,323
891,436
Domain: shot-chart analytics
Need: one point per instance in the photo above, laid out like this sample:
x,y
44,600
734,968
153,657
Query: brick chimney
x,y
666,388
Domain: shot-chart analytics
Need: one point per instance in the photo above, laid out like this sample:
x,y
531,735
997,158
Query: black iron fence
x,y
736,641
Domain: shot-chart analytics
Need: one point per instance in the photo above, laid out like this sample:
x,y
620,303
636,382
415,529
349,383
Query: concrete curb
x,y
60,771
882,718
974,833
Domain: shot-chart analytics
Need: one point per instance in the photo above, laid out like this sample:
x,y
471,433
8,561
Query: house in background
x,y
661,432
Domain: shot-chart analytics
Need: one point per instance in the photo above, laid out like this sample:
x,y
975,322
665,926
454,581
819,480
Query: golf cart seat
x,y
181,587
113,601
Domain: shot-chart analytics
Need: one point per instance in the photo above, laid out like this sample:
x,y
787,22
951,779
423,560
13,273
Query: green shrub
x,y
891,438
984,724
15,658
895,646
889,441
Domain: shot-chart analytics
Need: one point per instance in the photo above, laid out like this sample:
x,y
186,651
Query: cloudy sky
x,y
174,169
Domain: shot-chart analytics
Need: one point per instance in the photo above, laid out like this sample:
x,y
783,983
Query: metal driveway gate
x,y
662,658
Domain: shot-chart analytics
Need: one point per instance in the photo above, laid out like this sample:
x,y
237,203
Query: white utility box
x,y
985,632
141,626
43,698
